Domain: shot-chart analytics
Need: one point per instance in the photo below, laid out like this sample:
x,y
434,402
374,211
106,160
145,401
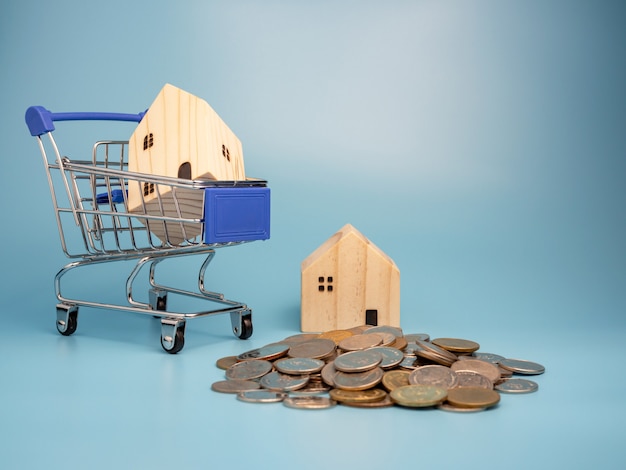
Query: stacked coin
x,y
373,367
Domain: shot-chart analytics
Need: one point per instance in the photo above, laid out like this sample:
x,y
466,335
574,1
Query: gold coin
x,y
473,397
362,341
399,343
393,379
489,370
456,345
357,396
384,403
225,362
336,335
418,396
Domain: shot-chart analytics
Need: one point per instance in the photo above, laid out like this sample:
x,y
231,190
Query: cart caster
x,y
242,323
172,335
67,319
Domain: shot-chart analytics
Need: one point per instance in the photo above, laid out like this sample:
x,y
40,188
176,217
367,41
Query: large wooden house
x,y
180,136
348,281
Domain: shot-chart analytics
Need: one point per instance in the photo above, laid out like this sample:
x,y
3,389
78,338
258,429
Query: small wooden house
x,y
180,136
348,281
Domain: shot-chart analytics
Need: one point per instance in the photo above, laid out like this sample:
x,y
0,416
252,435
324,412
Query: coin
x,y
517,386
399,343
391,356
487,357
395,378
468,378
299,365
261,396
358,361
472,397
357,396
269,352
300,338
489,370
328,373
435,375
309,402
418,396
283,382
336,335
458,409
435,353
520,366
234,386
249,370
408,362
456,345
358,380
359,342
225,362
384,403
395,331
413,337
317,348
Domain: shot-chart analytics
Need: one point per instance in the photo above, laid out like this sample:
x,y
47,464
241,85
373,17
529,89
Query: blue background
x,y
478,143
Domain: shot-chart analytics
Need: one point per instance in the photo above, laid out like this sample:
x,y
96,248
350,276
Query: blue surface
x,y
478,143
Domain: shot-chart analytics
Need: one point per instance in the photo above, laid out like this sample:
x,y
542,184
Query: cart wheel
x,y
177,344
246,327
67,319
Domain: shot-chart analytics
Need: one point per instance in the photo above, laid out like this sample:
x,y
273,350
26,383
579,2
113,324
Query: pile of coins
x,y
374,367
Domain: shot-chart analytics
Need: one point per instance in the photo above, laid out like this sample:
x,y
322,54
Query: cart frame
x,y
92,195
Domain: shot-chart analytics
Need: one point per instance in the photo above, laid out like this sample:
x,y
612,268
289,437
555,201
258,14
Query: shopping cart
x,y
93,195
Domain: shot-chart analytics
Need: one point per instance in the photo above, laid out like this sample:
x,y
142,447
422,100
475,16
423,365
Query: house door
x,y
371,317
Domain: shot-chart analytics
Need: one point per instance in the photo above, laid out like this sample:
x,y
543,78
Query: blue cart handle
x,y
39,120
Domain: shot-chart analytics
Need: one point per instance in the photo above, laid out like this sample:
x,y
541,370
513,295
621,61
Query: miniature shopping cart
x,y
91,204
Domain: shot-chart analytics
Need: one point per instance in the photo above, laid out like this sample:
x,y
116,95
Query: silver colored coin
x,y
520,366
315,348
360,342
328,374
408,363
261,396
391,356
299,365
358,361
388,338
395,331
358,380
413,337
309,402
517,386
468,378
487,357
435,375
249,370
489,370
458,409
279,382
234,386
268,352
311,388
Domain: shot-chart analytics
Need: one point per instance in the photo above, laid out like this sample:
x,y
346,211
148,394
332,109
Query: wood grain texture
x,y
343,278
181,136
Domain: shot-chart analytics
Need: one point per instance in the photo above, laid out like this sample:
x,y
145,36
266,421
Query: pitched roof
x,y
346,231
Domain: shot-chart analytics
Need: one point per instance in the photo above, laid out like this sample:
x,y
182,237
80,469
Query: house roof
x,y
345,232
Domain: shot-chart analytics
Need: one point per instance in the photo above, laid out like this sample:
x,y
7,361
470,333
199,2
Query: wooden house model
x,y
348,282
180,136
